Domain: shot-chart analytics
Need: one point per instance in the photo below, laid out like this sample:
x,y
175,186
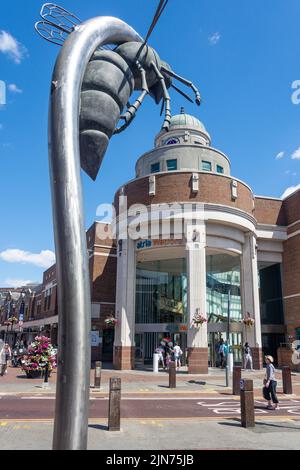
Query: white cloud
x,y
11,47
296,154
279,155
44,259
290,190
14,89
214,38
17,282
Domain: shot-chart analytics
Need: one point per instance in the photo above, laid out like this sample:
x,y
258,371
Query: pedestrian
x,y
177,355
222,350
5,356
160,352
2,357
169,354
270,383
247,356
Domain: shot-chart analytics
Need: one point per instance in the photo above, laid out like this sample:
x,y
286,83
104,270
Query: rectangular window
x,y
271,301
155,168
220,169
172,165
206,166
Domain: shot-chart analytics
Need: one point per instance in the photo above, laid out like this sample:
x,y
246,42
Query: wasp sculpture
x,y
110,78
102,61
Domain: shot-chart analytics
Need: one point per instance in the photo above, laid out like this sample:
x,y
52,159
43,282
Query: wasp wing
x,y
59,17
50,32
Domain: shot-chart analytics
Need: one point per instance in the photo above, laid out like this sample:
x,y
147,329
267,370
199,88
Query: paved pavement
x,y
145,381
157,434
200,413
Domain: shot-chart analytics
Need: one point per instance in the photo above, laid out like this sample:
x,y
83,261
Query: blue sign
x,y
144,244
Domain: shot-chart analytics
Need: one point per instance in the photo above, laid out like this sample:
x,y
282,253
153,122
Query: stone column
x,y
250,298
196,271
124,345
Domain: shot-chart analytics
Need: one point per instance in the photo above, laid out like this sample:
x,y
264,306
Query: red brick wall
x,y
269,211
176,187
291,265
292,208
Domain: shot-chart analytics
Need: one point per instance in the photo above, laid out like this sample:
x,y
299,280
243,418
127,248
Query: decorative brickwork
x,y
124,357
198,360
176,187
257,357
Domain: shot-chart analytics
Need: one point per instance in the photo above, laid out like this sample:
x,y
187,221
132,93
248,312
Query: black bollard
x,y
287,385
172,374
236,379
97,380
114,408
46,377
247,404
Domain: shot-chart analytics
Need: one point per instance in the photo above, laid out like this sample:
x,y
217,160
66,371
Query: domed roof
x,y
186,120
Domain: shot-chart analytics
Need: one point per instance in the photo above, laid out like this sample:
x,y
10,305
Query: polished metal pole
x,y
74,302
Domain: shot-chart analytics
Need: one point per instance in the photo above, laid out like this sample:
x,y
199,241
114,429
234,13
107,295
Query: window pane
x,y
220,169
172,165
206,166
161,291
271,303
155,168
223,288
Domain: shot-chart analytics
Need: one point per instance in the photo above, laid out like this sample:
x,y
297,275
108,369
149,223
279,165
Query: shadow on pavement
x,y
100,427
197,382
237,423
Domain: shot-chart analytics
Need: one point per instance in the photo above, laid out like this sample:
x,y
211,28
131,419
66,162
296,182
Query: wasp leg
x,y
185,82
132,109
166,98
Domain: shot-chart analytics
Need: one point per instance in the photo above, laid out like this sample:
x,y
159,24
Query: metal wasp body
x,y
111,76
110,79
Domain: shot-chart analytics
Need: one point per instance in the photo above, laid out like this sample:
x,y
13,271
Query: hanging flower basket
x,y
198,320
248,321
11,321
111,321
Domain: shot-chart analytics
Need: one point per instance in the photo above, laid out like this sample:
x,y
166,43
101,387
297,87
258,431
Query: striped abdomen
x,y
107,85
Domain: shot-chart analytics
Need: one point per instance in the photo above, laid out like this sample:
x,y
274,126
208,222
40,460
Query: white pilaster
x,y
196,273
250,294
125,294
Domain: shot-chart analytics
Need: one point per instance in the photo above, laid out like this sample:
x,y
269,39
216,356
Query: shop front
x,y
161,304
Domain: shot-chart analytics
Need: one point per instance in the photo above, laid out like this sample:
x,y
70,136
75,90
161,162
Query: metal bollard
x,y
287,380
236,379
247,404
172,375
114,407
46,377
97,380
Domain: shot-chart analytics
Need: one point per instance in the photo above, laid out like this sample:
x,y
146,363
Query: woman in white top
x,y
177,355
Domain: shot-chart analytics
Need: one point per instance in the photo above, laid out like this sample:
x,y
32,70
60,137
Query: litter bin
x,y
155,362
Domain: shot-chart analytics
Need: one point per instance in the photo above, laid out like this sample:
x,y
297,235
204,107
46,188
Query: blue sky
x,y
243,56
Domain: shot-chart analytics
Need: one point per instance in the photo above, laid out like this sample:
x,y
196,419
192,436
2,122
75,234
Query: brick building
x,y
196,241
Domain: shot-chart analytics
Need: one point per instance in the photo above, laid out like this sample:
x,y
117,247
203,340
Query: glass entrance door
x,y
235,340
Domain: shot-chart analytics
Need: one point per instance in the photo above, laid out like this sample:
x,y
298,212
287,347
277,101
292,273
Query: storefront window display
x,y
161,291
223,288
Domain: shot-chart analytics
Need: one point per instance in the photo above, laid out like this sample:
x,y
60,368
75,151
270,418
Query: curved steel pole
x,y
74,302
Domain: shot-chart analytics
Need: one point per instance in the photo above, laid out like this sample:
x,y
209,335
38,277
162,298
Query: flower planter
x,y
33,374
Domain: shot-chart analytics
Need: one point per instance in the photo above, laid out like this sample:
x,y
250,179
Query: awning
x,y
33,323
